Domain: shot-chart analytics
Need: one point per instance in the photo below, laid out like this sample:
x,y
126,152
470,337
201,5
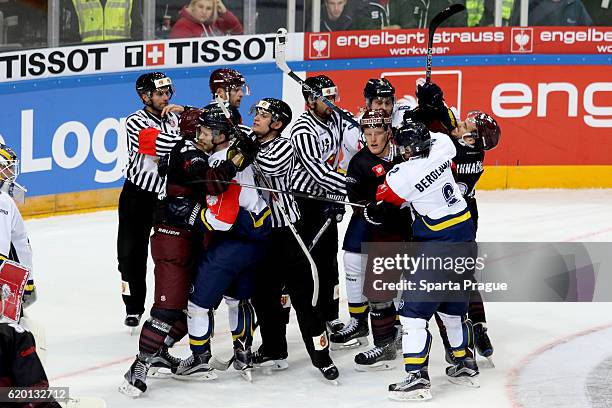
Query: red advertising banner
x,y
549,115
458,41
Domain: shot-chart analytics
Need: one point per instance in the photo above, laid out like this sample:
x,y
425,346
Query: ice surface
x,y
89,350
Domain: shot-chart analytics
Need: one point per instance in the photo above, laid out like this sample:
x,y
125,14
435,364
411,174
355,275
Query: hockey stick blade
x,y
281,63
219,364
433,25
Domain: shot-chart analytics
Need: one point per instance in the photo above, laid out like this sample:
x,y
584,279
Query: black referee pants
x,y
325,254
136,212
286,266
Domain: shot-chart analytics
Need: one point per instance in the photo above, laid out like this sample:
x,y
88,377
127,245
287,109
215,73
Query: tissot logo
x,y
149,55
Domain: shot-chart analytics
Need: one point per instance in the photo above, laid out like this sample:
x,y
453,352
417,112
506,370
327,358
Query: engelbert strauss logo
x,y
319,45
522,40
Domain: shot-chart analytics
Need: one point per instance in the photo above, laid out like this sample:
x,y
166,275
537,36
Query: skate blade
x,y
201,376
275,365
128,389
471,382
159,373
381,366
417,395
132,330
83,402
490,361
349,345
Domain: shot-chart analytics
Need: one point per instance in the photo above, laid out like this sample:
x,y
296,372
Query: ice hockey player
x,y
152,131
285,265
175,246
20,365
379,93
468,168
441,215
367,170
239,222
316,139
230,86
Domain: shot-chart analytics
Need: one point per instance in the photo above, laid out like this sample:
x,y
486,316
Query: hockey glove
x,y
245,146
335,211
430,96
374,213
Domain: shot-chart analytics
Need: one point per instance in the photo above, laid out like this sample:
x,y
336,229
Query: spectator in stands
x,y
342,15
166,15
101,20
205,18
600,11
24,24
553,13
415,14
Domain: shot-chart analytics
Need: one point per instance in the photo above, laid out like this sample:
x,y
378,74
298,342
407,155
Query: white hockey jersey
x,y
427,183
248,198
14,242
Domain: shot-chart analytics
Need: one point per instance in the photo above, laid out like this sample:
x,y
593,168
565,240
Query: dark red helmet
x,y
226,79
374,118
188,123
487,131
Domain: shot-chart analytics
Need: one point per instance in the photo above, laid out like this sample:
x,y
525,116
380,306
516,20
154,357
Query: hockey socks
x,y
241,322
200,323
416,343
383,319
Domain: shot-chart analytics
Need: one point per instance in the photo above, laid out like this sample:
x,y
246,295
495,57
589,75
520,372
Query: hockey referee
x,y
152,132
316,140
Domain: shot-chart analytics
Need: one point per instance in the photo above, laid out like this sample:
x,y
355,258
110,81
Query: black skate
x,y
330,373
353,335
376,359
334,326
464,372
135,379
132,321
163,364
416,387
268,362
482,342
195,368
243,363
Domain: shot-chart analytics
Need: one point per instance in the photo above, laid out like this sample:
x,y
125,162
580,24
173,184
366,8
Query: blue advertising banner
x,y
69,133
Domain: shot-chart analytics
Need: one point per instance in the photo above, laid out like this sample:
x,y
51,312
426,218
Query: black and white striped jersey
x,y
148,139
316,146
275,159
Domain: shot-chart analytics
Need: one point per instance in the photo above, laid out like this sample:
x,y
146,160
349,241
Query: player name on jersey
x,y
431,177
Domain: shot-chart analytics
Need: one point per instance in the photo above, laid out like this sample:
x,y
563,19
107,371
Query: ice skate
x,y
464,372
330,373
132,321
243,363
267,362
416,387
483,343
353,335
163,364
135,379
334,326
377,358
195,368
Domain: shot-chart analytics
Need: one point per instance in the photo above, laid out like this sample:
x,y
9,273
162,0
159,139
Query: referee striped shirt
x,y
275,159
149,138
316,146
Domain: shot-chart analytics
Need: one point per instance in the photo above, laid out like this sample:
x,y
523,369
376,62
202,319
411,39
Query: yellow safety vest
x,y
475,9
112,22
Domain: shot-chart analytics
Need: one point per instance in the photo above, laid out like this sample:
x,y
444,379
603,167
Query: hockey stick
x,y
319,234
433,25
281,63
285,215
274,190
